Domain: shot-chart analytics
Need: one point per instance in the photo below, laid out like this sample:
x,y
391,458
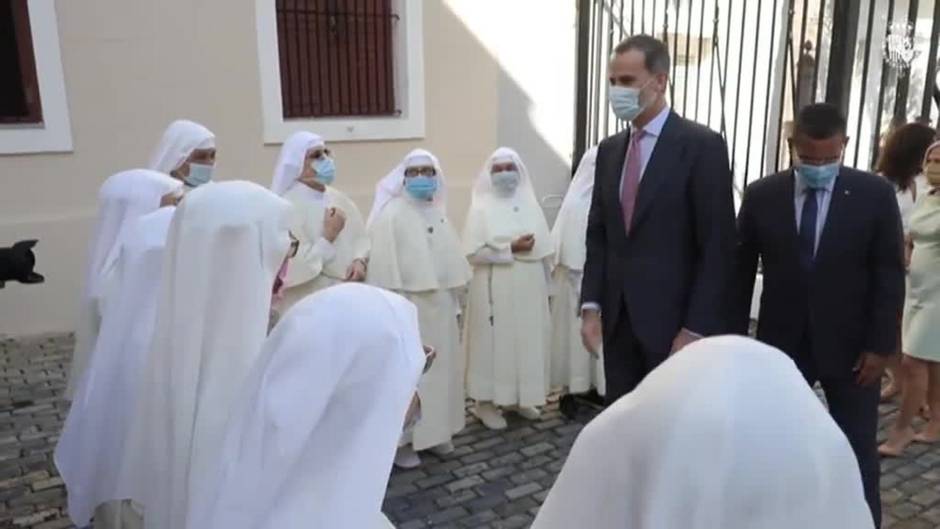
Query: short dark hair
x,y
903,154
820,121
655,52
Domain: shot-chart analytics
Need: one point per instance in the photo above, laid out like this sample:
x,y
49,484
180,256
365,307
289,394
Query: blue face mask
x,y
817,176
506,181
422,187
199,174
325,170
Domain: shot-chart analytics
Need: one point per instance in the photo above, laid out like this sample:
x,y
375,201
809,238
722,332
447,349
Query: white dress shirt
x,y
823,199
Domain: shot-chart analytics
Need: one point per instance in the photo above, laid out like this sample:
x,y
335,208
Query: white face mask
x,y
625,101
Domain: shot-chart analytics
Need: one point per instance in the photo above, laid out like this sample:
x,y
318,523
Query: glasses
x,y
323,152
420,171
294,246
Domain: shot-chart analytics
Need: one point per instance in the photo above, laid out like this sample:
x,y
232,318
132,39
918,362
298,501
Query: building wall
x,y
132,66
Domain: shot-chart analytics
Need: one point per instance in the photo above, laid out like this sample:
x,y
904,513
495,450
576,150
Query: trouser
x,y
626,361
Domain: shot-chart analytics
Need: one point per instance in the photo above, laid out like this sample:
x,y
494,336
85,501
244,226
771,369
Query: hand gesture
x,y
334,220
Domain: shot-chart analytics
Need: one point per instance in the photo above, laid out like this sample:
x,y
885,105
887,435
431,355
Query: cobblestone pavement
x,y
492,480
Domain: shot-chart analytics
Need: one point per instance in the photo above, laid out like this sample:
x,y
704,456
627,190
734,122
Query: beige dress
x,y
922,305
318,263
416,253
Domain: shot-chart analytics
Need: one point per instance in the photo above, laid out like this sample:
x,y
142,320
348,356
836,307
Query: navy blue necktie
x,y
808,229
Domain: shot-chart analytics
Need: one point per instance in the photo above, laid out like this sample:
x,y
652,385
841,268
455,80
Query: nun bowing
x,y
725,434
333,245
573,367
88,452
416,253
225,246
507,241
186,152
122,198
330,392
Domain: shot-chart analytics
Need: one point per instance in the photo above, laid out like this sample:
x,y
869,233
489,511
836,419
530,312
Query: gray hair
x,y
655,52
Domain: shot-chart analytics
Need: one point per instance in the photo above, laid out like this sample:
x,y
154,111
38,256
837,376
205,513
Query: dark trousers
x,y
855,410
626,361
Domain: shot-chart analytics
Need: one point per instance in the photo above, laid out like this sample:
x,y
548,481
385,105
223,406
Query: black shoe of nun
x,y
17,263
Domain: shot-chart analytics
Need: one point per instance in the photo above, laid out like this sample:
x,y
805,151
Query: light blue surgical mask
x,y
506,181
625,101
325,169
199,174
422,187
817,176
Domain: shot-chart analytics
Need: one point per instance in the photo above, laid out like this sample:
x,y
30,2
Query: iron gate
x,y
743,67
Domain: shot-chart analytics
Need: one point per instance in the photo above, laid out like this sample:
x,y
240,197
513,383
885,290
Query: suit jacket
x,y
849,302
673,268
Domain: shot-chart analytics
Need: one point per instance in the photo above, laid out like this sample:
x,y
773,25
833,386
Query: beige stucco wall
x,y
132,66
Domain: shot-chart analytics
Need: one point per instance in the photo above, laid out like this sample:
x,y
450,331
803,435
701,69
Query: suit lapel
x,y
841,194
666,154
789,211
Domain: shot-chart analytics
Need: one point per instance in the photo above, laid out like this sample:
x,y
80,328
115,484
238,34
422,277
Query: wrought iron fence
x,y
744,67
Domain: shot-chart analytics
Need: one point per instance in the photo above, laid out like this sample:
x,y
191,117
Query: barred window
x,y
19,91
337,58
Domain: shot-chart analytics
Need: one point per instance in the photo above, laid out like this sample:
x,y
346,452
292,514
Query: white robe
x,y
724,434
123,197
416,253
320,264
225,246
507,331
314,433
572,366
95,431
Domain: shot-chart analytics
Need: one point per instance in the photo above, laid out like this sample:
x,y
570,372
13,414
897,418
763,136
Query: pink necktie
x,y
632,168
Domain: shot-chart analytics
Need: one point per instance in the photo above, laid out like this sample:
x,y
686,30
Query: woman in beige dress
x,y
921,363
507,333
416,253
333,244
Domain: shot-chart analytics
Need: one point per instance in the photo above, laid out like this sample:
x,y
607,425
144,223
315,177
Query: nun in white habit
x,y
88,454
725,434
572,365
313,435
416,252
333,243
507,241
122,198
186,152
225,246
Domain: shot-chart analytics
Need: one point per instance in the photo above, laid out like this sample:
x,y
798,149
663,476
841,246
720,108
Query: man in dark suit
x,y
660,236
829,239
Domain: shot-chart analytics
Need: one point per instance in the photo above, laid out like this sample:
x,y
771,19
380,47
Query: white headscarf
x,y
291,160
495,220
123,197
393,184
568,233
225,247
312,441
724,434
88,452
179,141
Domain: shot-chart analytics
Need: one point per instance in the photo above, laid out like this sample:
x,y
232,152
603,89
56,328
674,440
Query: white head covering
x,y
392,185
312,441
496,220
724,434
291,160
96,428
179,141
123,197
568,233
225,247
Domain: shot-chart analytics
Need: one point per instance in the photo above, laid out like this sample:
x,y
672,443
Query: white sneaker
x,y
490,416
442,449
406,457
529,412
